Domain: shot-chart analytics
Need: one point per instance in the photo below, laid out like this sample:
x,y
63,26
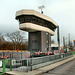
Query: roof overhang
x,y
33,12
30,27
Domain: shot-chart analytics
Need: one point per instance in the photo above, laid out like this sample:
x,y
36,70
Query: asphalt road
x,y
65,69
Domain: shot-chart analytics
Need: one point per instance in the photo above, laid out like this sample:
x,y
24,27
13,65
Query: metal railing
x,y
17,61
5,66
15,55
34,63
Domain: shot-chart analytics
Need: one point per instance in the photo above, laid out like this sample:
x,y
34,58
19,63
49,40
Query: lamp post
x,y
66,45
58,39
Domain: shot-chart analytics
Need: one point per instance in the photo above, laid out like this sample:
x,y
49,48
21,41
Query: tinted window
x,y
21,19
36,20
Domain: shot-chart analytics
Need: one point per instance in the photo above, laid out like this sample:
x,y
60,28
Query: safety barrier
x,y
15,55
5,66
34,63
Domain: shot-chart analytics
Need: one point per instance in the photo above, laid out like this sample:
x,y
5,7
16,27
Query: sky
x,y
61,11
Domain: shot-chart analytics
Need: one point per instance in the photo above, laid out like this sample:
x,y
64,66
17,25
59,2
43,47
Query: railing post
x,y
31,64
21,55
3,61
10,62
27,64
21,58
10,65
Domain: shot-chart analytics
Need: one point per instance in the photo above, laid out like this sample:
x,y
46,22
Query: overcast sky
x,y
61,11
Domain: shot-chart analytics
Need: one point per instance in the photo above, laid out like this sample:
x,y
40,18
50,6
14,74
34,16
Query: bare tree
x,y
1,41
16,38
1,37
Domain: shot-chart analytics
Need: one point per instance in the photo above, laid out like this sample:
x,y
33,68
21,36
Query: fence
x,y
5,65
34,63
15,55
19,63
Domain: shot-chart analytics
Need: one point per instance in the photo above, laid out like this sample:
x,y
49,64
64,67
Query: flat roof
x,y
33,12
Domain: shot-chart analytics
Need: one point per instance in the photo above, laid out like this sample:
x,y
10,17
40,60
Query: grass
x,y
74,53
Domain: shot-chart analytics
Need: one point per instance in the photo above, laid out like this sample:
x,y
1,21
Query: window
x,y
36,20
21,20
28,19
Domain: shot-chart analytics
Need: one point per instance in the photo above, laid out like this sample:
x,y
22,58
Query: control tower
x,y
40,28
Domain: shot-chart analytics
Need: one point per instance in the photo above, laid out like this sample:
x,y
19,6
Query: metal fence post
x,y
10,65
21,58
10,62
12,55
3,54
3,66
27,64
31,64
21,55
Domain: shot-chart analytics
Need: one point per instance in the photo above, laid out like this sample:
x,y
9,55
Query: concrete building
x,y
40,28
54,48
74,45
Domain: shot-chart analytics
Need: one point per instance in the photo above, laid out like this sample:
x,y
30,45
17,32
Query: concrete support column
x,y
39,41
43,42
49,42
34,44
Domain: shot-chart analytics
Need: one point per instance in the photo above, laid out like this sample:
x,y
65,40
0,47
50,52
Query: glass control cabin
x,y
40,28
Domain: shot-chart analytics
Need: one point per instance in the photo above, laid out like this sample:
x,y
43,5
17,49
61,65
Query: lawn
x,y
74,52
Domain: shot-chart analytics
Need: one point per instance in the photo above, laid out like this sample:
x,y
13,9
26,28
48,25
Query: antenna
x,y
41,7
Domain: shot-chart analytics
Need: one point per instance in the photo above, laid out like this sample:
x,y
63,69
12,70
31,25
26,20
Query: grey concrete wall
x,y
34,44
43,42
38,41
49,40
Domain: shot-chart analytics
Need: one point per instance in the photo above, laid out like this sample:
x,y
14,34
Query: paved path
x,y
65,69
43,69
